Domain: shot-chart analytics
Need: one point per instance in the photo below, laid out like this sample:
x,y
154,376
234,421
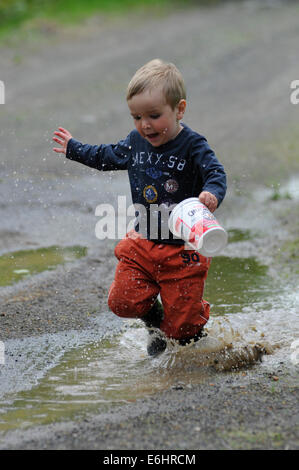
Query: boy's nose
x,y
145,124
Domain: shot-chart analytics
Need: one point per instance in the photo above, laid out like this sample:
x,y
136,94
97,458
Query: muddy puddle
x,y
18,265
68,375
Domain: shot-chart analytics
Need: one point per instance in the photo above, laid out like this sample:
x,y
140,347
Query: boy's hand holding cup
x,y
209,200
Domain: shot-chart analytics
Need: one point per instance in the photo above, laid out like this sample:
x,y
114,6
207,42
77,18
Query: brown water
x,y
83,378
18,265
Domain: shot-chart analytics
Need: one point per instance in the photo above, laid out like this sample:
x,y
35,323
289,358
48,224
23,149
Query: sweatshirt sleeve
x,y
211,170
101,157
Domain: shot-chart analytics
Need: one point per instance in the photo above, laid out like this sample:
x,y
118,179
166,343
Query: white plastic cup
x,y
192,221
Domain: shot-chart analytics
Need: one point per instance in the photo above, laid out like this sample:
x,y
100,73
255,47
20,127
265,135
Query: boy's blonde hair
x,y
158,73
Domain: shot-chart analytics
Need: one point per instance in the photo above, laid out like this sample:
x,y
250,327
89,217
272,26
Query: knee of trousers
x,y
124,307
120,306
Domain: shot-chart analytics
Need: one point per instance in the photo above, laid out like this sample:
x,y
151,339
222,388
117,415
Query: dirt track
x,y
238,62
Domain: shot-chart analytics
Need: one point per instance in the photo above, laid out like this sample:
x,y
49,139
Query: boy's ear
x,y
181,107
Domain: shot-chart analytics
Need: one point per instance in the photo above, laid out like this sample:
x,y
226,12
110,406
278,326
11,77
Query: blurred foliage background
x,y
15,12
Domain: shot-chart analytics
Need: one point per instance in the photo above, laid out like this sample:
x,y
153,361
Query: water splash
x,y
97,375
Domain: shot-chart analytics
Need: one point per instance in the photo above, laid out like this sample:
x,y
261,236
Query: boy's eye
x,y
152,116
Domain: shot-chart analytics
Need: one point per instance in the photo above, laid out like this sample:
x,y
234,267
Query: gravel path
x,y
238,61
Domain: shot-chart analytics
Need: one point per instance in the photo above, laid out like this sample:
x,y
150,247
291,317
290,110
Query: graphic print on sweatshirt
x,y
164,175
158,174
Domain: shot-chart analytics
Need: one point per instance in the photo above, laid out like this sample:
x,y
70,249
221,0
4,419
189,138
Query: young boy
x,y
167,162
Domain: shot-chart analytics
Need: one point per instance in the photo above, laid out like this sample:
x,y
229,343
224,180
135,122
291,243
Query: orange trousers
x,y
146,269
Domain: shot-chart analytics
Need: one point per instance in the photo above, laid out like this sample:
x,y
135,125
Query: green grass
x,y
15,13
19,15
277,195
248,439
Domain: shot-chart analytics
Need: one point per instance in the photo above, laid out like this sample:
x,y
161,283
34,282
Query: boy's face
x,y
155,120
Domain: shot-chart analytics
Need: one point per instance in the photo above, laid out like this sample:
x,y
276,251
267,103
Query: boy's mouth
x,y
152,136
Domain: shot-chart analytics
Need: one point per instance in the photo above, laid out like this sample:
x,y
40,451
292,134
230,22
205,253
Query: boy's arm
x,y
101,157
212,172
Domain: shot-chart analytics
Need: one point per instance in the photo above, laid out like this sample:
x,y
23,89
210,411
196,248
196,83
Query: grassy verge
x,y
15,13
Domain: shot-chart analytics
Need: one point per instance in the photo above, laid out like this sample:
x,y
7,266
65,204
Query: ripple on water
x,y
246,322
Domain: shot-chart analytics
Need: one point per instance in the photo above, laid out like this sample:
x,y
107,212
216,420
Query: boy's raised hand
x,y
209,200
64,136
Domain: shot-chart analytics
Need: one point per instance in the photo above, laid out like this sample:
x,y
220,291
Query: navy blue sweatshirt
x,y
164,175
